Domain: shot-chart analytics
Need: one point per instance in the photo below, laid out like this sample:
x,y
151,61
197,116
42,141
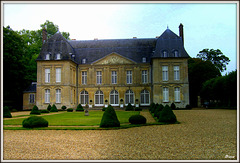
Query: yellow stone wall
x,y
26,101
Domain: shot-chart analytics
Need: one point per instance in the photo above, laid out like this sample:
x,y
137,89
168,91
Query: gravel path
x,y
202,135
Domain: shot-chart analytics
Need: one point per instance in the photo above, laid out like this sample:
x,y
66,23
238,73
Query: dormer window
x,y
176,54
144,60
47,57
164,54
84,61
58,56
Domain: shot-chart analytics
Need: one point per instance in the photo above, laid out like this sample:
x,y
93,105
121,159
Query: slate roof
x,y
31,88
93,50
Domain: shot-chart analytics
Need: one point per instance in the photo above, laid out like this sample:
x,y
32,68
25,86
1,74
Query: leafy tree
x,y
199,71
216,57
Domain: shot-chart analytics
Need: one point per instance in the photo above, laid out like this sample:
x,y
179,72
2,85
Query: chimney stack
x,y
181,32
44,35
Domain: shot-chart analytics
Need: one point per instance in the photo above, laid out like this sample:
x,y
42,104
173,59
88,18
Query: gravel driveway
x,y
202,135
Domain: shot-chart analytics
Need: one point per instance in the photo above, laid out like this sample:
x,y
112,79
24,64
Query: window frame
x,y
177,95
31,98
84,77
58,96
47,75
164,73
144,76
114,77
129,97
58,74
143,101
47,96
165,94
84,98
99,97
129,76
115,98
99,77
176,72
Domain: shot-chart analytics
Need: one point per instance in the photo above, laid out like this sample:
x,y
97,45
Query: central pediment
x,y
113,59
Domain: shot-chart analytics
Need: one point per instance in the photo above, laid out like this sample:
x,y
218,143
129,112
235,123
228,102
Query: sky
x,y
206,25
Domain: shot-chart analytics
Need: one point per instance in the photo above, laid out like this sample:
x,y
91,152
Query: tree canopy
x,y
216,57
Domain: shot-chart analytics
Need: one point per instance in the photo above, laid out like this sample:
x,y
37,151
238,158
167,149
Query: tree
x,y
199,71
216,57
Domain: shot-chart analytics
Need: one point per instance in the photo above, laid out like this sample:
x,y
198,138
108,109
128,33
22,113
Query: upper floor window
x,y
84,77
114,77
58,75
165,73
144,59
176,54
84,60
176,73
129,77
58,56
47,75
47,57
144,76
99,77
164,54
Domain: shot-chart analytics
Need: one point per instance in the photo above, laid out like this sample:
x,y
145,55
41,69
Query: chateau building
x,y
112,71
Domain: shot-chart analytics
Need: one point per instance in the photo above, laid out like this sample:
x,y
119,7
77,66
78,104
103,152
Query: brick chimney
x,y
181,32
44,35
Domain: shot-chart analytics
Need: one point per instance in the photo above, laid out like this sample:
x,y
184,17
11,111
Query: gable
x,y
113,59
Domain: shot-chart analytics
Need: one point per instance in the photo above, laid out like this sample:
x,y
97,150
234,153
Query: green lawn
x,y
76,118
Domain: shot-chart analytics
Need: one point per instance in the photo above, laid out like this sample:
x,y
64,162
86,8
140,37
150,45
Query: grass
x,y
76,118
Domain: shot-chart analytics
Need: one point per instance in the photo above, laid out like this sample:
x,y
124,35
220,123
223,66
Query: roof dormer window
x,y
176,54
144,59
164,54
58,56
84,61
47,57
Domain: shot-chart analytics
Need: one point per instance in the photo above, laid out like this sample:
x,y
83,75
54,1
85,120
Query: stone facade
x,y
119,71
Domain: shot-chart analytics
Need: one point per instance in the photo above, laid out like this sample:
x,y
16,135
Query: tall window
x,y
99,77
129,77
165,94
84,97
84,77
47,75
129,97
99,98
114,77
145,97
31,98
47,95
176,73
58,95
58,75
114,98
165,73
144,76
177,94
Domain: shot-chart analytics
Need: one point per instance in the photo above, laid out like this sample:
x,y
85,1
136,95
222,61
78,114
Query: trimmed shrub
x,y
34,121
103,109
173,106
35,110
54,108
6,112
44,111
70,110
79,108
152,105
129,107
138,109
109,118
167,115
189,107
64,107
14,110
137,119
49,107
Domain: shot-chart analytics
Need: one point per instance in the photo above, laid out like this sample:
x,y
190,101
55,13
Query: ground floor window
x,y
129,97
84,97
165,94
47,95
31,98
99,98
177,94
114,98
145,97
58,95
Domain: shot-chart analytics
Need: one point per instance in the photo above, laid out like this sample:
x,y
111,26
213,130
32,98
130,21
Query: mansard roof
x,y
31,88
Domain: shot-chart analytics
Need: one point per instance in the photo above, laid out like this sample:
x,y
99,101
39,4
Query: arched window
x,y
114,98
129,97
176,54
58,56
47,57
84,97
99,98
145,97
164,53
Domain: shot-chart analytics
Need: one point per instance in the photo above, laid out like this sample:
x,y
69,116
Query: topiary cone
x,y
109,118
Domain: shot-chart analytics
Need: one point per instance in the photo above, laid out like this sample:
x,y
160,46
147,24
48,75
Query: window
x,y
144,76
177,94
58,75
129,97
165,94
99,98
114,98
144,59
47,95
129,77
165,73
47,75
84,97
176,53
84,61
47,57
31,98
58,95
114,77
165,53
58,56
99,77
145,97
84,77
176,73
